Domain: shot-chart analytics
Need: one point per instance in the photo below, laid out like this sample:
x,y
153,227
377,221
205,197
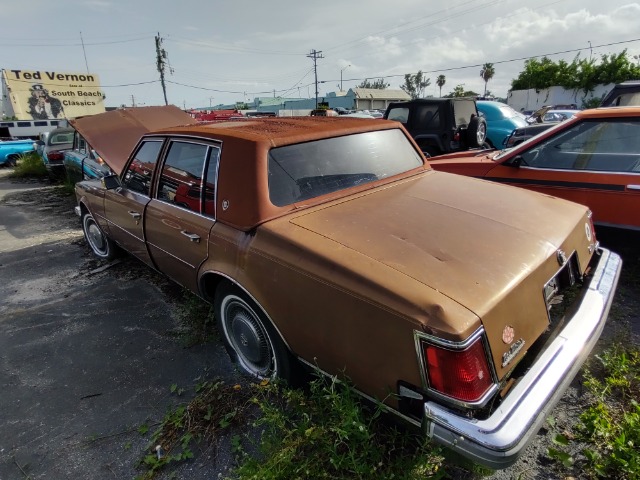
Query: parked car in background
x,y
554,115
521,134
592,158
332,242
341,110
441,125
11,150
501,119
623,94
51,148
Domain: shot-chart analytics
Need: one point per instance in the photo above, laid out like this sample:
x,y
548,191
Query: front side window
x,y
307,170
181,179
140,171
599,145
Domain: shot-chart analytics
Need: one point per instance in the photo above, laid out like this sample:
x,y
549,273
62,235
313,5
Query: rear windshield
x,y
463,110
307,170
60,138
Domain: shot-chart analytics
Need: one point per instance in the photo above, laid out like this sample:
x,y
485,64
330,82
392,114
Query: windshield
x,y
510,113
307,170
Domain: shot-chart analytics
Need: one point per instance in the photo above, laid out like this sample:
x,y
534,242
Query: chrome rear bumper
x,y
498,441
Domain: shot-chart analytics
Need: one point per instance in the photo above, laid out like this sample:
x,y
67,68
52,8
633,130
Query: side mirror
x,y
516,161
111,182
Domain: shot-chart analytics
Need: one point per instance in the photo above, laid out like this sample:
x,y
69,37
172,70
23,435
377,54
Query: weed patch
x,y
196,318
29,165
610,425
326,433
216,409
276,432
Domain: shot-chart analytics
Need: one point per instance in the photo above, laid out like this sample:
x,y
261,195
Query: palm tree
x,y
440,81
487,74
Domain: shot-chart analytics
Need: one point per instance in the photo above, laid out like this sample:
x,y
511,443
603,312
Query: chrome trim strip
x,y
633,187
498,440
383,405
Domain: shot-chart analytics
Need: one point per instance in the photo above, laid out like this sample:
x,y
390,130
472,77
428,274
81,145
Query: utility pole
x,y
161,62
133,101
315,55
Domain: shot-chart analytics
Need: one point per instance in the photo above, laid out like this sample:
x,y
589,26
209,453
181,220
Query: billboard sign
x,y
42,95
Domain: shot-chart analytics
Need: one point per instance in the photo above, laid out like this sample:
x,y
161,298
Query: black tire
x,y
12,160
249,337
101,245
476,132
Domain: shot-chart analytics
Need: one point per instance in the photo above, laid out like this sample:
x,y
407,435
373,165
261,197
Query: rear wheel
x,y
101,245
249,337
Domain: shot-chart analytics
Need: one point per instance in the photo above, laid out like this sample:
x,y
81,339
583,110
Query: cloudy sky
x,y
223,51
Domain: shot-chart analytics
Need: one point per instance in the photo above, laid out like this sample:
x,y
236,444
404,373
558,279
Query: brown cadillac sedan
x,y
467,306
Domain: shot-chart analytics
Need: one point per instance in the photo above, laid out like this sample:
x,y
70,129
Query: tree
x,y
379,84
487,74
580,74
440,81
459,91
414,85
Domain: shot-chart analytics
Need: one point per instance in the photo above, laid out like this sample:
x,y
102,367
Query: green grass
x,y
326,433
610,425
276,432
29,165
196,318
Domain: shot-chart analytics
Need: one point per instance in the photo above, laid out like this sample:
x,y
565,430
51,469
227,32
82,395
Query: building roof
x,y
378,94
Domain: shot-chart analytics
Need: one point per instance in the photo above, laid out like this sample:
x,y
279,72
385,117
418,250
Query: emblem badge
x,y
508,334
561,256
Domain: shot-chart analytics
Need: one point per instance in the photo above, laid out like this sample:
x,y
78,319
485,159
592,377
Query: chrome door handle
x,y
191,236
135,215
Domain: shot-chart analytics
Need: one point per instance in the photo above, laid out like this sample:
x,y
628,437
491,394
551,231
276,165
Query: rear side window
x,y
181,180
426,116
399,114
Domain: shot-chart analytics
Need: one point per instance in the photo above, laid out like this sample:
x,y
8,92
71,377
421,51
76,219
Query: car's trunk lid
x,y
489,247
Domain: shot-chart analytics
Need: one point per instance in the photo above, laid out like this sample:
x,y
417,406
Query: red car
x,y
593,159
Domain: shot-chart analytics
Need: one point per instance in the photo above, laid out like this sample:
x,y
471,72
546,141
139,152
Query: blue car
x,y
501,121
11,150
81,162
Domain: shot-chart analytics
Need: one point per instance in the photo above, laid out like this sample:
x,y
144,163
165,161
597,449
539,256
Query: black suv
x,y
441,125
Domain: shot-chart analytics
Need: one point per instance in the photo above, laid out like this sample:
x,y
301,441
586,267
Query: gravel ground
x,y
55,222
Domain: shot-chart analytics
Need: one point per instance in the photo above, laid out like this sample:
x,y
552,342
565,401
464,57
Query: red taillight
x,y
55,155
461,374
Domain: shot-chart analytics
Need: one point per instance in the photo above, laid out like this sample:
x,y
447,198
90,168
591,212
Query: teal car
x,y
11,150
501,119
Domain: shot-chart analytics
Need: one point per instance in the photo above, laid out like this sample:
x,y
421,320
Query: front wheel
x,y
249,337
101,245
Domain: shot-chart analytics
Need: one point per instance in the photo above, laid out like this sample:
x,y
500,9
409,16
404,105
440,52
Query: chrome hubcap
x,y
248,338
95,237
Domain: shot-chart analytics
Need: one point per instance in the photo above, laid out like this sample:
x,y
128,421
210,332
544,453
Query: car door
x,y
595,162
125,206
181,214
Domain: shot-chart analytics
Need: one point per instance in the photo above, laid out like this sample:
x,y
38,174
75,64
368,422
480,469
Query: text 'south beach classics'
x,y
39,95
